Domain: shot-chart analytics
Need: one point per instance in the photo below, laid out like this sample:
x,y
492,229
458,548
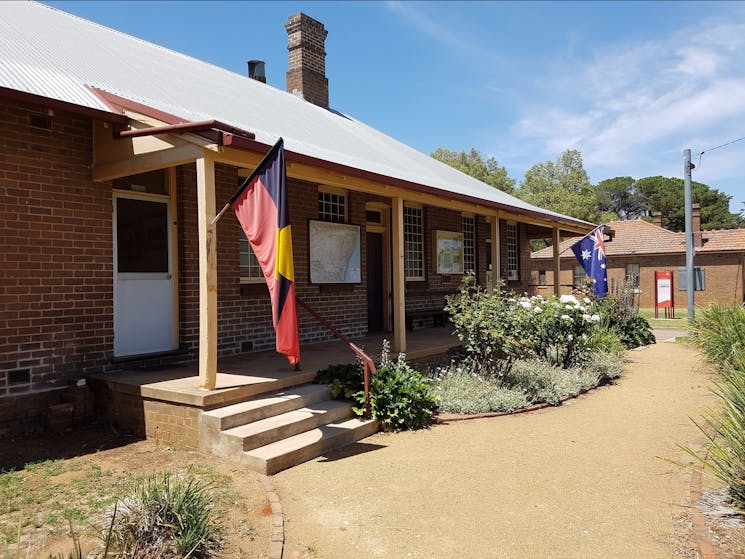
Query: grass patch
x,y
680,320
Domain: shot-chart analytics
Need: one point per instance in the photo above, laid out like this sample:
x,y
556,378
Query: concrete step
x,y
302,447
255,409
278,427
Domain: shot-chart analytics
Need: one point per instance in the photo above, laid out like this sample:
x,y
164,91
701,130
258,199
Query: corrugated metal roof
x,y
641,237
53,54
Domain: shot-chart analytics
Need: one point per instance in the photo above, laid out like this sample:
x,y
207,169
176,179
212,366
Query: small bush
x,y
166,517
400,397
465,393
344,380
624,321
719,330
726,436
494,330
543,382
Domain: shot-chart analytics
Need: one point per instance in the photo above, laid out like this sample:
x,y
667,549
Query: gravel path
x,y
600,476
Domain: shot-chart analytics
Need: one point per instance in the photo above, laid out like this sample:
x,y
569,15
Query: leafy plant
x,y
344,380
463,392
400,397
494,330
167,517
726,437
620,316
719,330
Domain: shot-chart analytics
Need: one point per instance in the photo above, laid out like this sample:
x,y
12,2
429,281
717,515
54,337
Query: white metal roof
x,y
53,54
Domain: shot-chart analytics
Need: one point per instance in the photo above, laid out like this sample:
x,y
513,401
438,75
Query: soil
x,y
601,476
52,487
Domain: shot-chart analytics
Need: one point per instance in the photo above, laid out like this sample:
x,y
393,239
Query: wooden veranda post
x,y
496,254
207,272
399,280
557,261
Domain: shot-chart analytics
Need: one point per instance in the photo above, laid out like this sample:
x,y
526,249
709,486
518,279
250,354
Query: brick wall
x,y
55,257
244,311
724,277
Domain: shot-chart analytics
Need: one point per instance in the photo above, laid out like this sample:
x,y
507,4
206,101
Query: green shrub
x,y
495,331
726,436
166,517
344,380
543,382
719,330
624,321
400,397
462,392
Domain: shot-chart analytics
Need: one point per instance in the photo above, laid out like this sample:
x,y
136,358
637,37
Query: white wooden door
x,y
143,276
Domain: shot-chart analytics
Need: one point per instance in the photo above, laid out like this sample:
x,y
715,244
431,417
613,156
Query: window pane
x,y
469,244
141,236
153,182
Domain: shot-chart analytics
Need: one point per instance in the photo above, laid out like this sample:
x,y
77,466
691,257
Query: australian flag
x,y
262,209
590,251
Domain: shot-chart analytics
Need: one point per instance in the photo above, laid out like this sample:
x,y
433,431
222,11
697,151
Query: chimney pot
x,y
256,70
657,218
306,43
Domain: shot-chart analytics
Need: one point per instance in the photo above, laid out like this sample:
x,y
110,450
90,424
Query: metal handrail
x,y
368,364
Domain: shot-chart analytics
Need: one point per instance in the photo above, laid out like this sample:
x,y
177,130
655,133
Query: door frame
x,y
384,228
170,201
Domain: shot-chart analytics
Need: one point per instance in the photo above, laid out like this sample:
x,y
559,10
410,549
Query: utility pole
x,y
690,287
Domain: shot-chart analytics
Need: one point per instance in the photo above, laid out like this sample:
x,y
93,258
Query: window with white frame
x,y
512,251
332,205
250,271
413,243
632,275
469,244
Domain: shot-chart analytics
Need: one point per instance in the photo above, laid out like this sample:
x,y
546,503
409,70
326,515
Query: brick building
x,y
116,153
639,248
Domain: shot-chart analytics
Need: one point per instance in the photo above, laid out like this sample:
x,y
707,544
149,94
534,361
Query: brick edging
x,y
277,539
698,520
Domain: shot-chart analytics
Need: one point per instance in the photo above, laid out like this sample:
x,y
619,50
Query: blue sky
x,y
629,84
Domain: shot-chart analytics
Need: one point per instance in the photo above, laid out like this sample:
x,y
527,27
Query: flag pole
x,y
245,183
585,236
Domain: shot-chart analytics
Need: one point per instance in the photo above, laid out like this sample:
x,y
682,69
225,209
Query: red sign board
x,y
663,293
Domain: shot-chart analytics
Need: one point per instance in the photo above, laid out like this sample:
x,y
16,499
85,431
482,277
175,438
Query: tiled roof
x,y
49,53
641,237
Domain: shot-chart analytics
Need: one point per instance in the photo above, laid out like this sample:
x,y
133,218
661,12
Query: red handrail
x,y
367,363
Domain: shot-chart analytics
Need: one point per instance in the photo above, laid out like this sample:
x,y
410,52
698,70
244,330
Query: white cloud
x,y
633,105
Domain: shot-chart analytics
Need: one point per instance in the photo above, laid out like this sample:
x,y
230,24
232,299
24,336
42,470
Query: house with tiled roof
x,y
639,248
116,155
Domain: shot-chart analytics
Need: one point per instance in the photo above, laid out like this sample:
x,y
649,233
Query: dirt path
x,y
599,477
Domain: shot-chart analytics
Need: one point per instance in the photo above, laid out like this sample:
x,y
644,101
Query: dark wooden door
x,y
374,282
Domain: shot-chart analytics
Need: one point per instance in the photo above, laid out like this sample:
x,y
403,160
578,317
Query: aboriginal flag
x,y
261,207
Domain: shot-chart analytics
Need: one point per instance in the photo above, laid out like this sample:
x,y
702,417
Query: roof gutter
x,y
99,114
198,126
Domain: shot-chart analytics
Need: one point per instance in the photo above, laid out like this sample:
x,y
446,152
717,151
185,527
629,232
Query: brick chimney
x,y
306,40
698,240
657,218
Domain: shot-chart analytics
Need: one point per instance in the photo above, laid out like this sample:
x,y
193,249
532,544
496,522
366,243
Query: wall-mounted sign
x,y
448,248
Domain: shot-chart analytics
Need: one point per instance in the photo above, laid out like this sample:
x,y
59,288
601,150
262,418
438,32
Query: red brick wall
x,y
724,277
55,254
244,312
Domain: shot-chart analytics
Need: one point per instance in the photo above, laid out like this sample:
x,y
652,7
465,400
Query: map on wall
x,y
334,252
448,252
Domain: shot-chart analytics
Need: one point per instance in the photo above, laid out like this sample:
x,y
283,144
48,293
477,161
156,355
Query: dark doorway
x,y
374,282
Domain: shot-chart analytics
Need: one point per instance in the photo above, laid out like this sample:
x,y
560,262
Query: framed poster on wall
x,y
448,252
334,250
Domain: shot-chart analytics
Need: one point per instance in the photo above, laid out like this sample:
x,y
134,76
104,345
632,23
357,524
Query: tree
x,y
561,186
620,196
665,195
472,163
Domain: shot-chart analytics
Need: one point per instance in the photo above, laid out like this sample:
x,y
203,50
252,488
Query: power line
x,y
717,147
